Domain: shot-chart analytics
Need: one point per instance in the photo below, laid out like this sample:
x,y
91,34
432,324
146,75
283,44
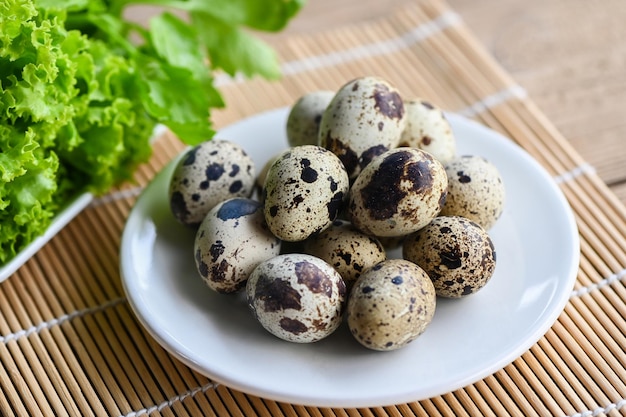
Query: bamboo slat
x,y
70,344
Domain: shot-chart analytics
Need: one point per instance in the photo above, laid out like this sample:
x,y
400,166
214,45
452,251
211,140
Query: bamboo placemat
x,y
70,344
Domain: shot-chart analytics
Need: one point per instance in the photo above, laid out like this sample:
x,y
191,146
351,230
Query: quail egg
x,y
346,249
230,242
428,129
398,193
296,297
364,119
207,174
304,190
260,179
390,305
457,254
304,118
475,190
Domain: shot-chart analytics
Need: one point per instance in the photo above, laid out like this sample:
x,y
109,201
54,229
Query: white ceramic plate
x,y
537,245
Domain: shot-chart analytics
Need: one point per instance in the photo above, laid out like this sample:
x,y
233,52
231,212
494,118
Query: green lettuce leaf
x,y
82,89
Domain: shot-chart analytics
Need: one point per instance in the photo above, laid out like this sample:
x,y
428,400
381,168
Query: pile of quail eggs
x,y
366,171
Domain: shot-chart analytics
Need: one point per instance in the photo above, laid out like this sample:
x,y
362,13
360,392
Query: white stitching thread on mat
x,y
582,169
191,393
592,413
116,195
493,100
413,36
618,276
60,320
169,403
172,401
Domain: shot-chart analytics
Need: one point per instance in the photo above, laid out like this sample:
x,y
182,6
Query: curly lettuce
x,y
82,88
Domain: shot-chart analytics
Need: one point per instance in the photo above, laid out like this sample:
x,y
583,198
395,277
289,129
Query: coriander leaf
x,y
176,42
270,15
173,97
234,50
267,15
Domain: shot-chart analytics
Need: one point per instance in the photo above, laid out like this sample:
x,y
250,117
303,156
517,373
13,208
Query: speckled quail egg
x,y
207,174
428,129
398,193
260,178
457,254
346,249
304,118
297,297
230,242
304,190
390,305
475,190
364,119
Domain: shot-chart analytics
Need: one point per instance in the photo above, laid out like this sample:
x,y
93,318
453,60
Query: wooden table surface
x,y
569,56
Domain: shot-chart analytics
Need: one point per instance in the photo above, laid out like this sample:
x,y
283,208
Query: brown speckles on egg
x,y
475,190
456,253
462,177
307,174
206,175
212,172
428,129
235,187
304,191
369,154
386,181
334,206
230,242
390,305
276,294
365,118
427,104
388,101
349,251
314,278
292,326
346,155
219,275
215,250
296,297
178,206
398,193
